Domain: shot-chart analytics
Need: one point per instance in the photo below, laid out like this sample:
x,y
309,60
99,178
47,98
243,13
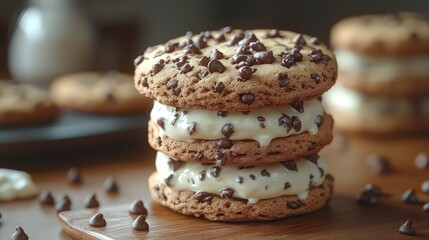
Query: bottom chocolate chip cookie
x,y
215,208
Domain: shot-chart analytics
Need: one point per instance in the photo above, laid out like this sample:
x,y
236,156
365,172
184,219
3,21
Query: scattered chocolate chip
x,y
220,38
215,171
274,33
169,47
318,120
73,176
374,189
172,83
19,234
157,67
265,57
426,208
422,160
220,158
174,164
137,207
299,40
298,106
317,56
45,198
265,173
257,46
425,186
409,196
224,143
252,176
168,180
315,77
283,79
228,130
235,39
314,40
204,61
186,68
226,193
286,122
200,42
227,29
287,185
191,49
181,61
64,204
110,185
287,61
249,38
378,164
216,55
239,179
218,88
296,124
312,146
297,55
261,121
222,113
91,201
140,224
313,158
138,60
247,98
290,165
202,175
367,198
202,197
407,228
144,82
192,128
161,122
293,205
236,58
216,66
97,221
202,75
245,73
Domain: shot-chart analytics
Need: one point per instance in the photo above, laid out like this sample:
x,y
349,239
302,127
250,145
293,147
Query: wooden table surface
x,y
342,219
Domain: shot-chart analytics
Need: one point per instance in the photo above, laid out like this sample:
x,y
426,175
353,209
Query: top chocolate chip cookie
x,y
400,34
236,70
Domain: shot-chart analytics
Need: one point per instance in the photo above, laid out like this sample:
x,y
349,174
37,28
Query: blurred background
x,y
123,29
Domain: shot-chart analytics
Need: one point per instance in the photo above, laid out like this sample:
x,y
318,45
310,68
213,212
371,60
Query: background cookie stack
x,y
238,122
383,73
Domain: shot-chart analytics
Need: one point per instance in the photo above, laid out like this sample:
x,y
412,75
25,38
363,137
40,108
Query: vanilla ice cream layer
x,y
296,177
261,125
383,67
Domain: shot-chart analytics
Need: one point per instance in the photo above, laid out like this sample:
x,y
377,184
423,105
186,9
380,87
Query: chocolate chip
x,y
202,175
313,158
239,180
409,196
204,61
216,66
367,198
215,171
425,186
227,29
191,49
97,221
286,122
224,143
186,68
202,75
110,185
216,55
247,98
312,146
73,176
161,122
265,57
374,189
274,33
290,165
297,55
298,106
144,82
318,120
235,39
422,160
19,234
321,171
265,173
220,159
226,193
172,83
236,58
245,73
249,38
296,124
189,34
202,197
138,60
257,46
228,130
157,67
315,77
407,228
180,61
314,40
91,201
245,112
378,164
64,204
137,207
169,47
299,40
426,208
220,38
218,88
140,224
200,42
293,205
287,185
287,61
222,113
283,79
192,128
174,164
45,198
252,176
317,56
168,180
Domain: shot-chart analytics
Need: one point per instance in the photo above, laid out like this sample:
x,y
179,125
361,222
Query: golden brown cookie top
x,y
236,70
398,34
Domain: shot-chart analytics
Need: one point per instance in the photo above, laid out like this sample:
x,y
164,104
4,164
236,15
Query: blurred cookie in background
x,y
24,104
383,77
111,93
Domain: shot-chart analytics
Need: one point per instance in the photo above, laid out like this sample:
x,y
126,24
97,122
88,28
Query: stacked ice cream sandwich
x,y
238,122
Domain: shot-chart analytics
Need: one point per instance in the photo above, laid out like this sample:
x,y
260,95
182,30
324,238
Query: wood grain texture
x,y
342,219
